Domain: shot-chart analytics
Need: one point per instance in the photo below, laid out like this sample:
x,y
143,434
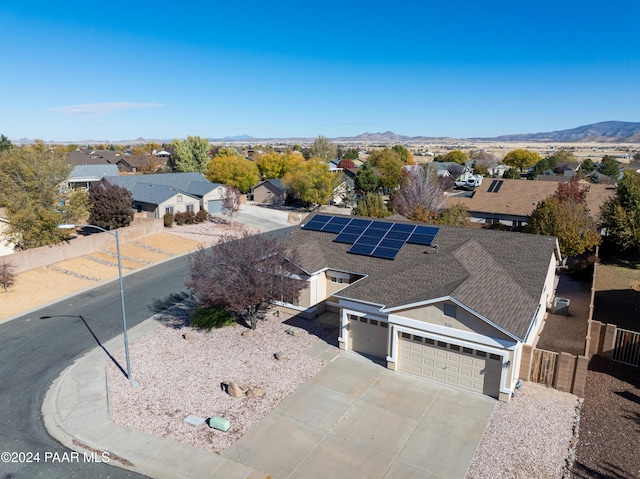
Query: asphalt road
x,y
37,347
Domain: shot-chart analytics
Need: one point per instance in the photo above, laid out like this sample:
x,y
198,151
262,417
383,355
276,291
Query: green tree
x,y
456,215
111,206
521,159
351,154
191,154
587,166
323,148
566,216
32,180
609,167
311,182
404,154
512,174
390,173
456,156
366,179
384,154
231,169
621,214
5,143
373,205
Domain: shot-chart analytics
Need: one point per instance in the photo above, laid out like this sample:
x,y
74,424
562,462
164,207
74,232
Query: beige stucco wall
x,y
464,321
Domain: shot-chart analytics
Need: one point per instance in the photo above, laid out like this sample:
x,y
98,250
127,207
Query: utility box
x,y
219,423
561,306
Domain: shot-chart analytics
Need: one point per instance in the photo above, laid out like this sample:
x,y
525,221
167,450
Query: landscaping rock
x,y
232,389
189,336
294,331
280,355
254,393
248,333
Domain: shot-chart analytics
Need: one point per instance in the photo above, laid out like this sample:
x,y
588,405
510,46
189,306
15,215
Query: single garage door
x,y
214,206
451,364
368,336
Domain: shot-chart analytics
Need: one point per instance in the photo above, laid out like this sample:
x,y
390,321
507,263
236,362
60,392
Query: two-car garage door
x,y
467,368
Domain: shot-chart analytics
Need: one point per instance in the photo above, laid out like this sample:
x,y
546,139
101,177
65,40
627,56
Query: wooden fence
x,y
561,371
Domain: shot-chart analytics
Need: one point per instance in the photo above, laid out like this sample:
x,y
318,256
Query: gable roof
x,y
520,197
499,275
275,182
93,171
194,184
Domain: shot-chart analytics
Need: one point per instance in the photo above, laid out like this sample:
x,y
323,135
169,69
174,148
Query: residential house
x,y
453,305
83,176
510,201
269,191
453,170
159,194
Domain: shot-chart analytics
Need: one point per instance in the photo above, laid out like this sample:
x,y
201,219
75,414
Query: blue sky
x,y
117,70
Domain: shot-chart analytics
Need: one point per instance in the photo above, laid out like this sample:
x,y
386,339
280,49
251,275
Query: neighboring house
x,y
510,202
170,193
456,308
456,171
269,191
83,176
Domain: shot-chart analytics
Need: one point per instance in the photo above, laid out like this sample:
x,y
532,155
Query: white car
x,y
472,182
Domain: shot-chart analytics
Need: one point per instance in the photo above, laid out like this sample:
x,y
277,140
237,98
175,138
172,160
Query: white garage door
x,y
368,336
466,368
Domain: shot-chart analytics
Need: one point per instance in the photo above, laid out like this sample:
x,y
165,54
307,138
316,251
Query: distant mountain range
x,y
606,131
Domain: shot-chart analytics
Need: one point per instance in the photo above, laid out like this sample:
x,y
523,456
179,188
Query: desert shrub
x,y
202,216
185,218
582,268
211,318
7,275
168,220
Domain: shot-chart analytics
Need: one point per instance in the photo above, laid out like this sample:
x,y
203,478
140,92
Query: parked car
x,y
472,182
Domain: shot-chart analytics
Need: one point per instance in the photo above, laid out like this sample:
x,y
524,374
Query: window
x,y
179,199
481,354
441,344
190,208
406,335
495,357
429,341
363,319
467,350
450,310
383,324
168,210
373,322
454,347
336,280
417,338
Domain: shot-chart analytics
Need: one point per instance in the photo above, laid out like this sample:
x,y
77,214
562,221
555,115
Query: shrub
x,y
202,216
211,318
582,268
168,220
7,275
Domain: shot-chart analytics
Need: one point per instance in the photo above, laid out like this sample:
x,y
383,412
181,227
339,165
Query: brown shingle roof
x,y
500,275
520,197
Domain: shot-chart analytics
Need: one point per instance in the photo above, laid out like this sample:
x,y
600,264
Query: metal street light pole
x,y
124,316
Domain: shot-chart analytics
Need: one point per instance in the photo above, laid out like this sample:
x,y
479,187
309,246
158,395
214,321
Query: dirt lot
x,y
609,437
617,298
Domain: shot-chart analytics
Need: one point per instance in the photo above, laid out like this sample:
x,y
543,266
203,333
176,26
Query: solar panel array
x,y
380,239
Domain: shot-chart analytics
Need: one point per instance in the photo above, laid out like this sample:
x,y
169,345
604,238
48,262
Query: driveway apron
x,y
357,419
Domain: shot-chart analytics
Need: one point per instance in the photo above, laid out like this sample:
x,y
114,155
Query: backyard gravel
x,y
180,377
530,437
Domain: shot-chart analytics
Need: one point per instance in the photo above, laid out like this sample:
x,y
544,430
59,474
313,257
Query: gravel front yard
x,y
609,446
179,377
528,437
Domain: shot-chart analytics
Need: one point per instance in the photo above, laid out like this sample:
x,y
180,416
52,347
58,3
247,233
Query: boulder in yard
x,y
280,355
189,336
248,333
232,389
254,393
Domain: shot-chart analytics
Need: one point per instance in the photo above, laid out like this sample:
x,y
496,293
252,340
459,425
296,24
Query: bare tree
x,y
231,203
7,275
246,275
420,193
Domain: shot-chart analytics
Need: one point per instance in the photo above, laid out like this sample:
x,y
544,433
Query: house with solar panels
x,y
453,305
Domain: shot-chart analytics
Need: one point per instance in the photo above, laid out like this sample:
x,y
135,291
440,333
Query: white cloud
x,y
93,109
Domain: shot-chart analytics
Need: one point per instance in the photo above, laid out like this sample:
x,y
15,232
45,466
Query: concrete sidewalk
x,y
76,413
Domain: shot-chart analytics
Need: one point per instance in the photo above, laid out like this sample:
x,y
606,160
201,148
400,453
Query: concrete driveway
x,y
263,217
356,419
